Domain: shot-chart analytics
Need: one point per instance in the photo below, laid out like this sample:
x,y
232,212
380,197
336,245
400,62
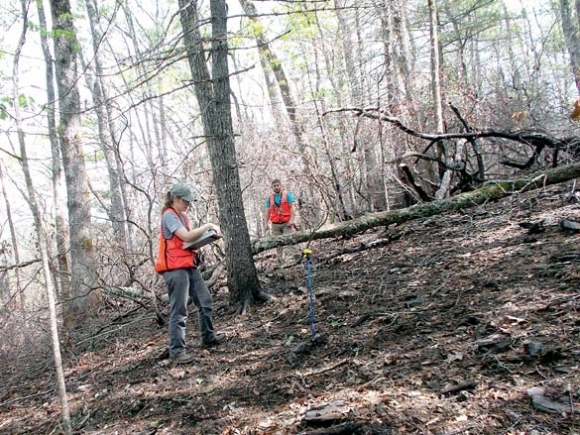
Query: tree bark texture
x,y
489,192
435,65
83,279
40,233
570,30
213,96
63,278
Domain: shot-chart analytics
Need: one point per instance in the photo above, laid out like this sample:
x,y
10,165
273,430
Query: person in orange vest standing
x,y
279,210
178,266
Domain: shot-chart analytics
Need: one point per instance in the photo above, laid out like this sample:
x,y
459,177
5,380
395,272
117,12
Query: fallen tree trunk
x,y
488,192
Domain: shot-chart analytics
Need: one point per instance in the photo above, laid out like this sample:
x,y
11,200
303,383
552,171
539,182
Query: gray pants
x,y
278,230
183,284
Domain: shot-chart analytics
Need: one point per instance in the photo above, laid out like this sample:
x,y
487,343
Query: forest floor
x,y
463,323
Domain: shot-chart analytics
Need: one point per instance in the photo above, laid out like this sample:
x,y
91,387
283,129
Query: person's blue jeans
x,y
183,284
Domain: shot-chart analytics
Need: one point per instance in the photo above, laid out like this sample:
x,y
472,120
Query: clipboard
x,y
205,239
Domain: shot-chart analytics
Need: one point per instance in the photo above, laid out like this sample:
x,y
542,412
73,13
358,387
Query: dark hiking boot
x,y
219,338
182,358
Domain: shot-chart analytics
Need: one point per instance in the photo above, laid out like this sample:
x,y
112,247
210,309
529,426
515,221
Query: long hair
x,y
168,201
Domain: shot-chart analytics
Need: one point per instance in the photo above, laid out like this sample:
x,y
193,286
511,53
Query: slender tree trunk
x,y
461,43
348,47
390,72
435,65
250,11
63,279
364,82
476,66
14,241
446,180
116,211
42,240
376,186
213,96
406,57
436,91
338,202
274,63
83,278
337,192
156,163
372,175
570,31
149,114
509,44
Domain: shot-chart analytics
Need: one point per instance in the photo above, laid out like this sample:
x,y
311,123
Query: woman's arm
x,y
191,235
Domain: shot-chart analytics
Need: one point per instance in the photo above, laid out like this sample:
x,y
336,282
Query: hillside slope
x,y
442,327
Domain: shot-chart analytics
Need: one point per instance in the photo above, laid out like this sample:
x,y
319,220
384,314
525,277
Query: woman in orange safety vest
x,y
179,271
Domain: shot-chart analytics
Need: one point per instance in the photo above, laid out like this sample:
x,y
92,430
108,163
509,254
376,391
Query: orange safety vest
x,y
280,214
171,255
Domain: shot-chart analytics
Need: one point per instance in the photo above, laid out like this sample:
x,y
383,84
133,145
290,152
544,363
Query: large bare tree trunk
x,y
83,278
41,235
213,96
63,279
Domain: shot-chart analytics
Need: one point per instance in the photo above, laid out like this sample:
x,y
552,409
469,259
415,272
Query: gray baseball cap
x,y
182,191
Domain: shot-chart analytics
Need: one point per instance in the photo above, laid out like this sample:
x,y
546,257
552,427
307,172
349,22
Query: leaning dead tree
x,y
466,163
488,192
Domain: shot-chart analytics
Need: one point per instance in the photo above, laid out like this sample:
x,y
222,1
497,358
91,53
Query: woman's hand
x,y
216,229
